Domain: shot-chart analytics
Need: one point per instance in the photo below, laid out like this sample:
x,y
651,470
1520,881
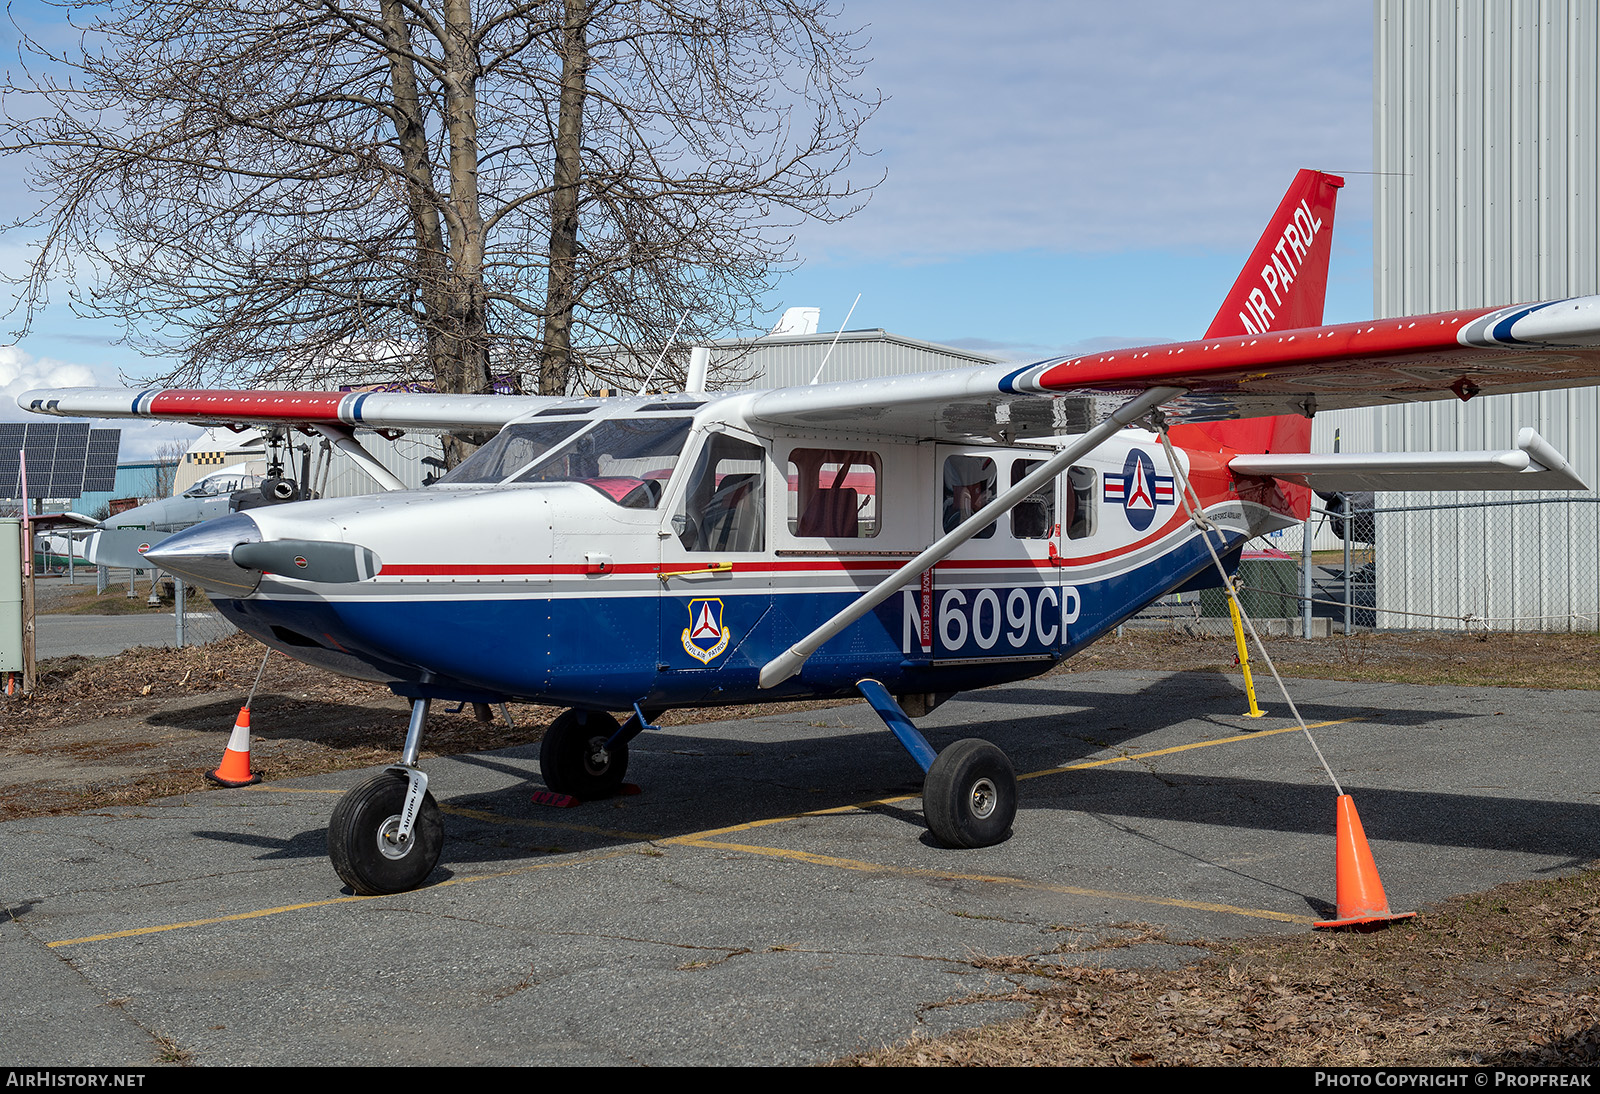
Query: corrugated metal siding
x,y
1485,121
792,360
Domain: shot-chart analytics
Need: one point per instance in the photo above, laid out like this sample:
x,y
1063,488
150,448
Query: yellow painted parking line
x,y
260,912
529,822
705,839
997,879
1256,735
859,806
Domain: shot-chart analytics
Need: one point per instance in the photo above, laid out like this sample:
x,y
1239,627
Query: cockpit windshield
x,y
215,486
626,459
512,449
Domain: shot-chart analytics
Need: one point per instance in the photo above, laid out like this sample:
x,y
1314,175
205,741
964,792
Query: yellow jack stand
x,y
1244,656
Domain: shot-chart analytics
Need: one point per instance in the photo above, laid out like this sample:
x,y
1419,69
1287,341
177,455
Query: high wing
x,y
1459,354
353,409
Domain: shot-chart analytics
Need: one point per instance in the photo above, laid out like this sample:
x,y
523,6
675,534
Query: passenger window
x,y
1034,517
724,508
969,485
1080,500
833,493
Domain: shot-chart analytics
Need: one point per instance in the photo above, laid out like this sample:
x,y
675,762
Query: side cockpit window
x,y
724,507
969,485
833,494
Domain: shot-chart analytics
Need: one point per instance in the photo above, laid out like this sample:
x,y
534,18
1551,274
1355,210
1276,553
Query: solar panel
x,y
101,473
64,458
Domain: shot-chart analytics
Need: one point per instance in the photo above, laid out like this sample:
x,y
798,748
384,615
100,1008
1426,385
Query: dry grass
x,y
1478,659
1505,978
148,723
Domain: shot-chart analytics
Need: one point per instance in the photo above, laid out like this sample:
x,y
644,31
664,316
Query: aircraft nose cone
x,y
204,554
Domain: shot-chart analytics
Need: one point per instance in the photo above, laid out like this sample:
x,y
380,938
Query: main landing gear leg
x,y
970,795
385,835
585,752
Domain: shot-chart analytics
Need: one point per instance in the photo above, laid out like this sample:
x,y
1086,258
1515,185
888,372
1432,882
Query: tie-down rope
x,y
1202,522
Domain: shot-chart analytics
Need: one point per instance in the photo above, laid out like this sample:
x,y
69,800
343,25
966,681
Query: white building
x,y
1486,133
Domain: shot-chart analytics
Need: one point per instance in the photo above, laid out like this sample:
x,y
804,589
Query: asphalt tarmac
x,y
109,635
771,897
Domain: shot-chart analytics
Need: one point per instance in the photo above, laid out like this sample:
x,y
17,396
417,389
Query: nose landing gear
x,y
368,845
385,835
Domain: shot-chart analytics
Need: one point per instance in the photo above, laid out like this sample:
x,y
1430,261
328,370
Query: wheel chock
x,y
567,801
1362,902
235,767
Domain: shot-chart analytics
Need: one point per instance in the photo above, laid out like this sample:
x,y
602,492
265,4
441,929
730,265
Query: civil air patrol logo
x,y
1139,490
705,636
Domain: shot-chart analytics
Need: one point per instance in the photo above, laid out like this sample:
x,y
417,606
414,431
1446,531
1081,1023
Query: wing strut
x,y
344,440
789,662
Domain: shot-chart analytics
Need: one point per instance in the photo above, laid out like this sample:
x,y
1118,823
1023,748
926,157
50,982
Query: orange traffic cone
x,y
1361,897
235,768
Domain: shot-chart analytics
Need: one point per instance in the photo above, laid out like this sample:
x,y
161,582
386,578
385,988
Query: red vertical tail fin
x,y
1282,287
1285,280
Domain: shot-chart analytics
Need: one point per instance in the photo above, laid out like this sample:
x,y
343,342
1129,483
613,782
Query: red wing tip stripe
x,y
1138,366
299,405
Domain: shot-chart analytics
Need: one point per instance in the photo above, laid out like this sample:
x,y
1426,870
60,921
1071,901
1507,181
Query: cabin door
x,y
997,597
716,585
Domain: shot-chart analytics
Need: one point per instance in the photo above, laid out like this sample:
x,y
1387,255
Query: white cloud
x,y
1088,126
21,371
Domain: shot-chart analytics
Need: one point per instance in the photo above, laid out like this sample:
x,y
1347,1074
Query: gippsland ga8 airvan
x,y
903,539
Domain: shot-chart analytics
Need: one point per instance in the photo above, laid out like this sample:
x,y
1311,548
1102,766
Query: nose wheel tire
x,y
970,795
575,758
363,841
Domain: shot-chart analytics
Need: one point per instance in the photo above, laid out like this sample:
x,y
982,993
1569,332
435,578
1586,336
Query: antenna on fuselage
x,y
651,375
835,341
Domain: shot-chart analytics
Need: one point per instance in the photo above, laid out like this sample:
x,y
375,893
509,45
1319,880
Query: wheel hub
x,y
598,757
983,798
390,845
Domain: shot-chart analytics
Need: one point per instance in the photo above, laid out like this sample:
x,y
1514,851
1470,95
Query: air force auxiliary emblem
x,y
705,636
1139,490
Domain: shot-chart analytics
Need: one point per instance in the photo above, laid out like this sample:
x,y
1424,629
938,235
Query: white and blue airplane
x,y
904,538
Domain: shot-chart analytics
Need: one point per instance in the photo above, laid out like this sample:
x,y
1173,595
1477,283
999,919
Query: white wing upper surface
x,y
1454,354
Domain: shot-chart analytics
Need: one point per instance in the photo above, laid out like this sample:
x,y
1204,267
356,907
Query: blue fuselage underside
x,y
608,653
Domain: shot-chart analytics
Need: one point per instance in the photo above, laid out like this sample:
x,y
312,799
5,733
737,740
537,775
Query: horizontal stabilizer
x,y
1533,465
122,547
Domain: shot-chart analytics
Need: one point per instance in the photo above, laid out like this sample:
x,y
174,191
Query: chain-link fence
x,y
195,620
1416,563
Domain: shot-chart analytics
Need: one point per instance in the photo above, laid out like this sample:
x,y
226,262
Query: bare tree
x,y
444,190
164,475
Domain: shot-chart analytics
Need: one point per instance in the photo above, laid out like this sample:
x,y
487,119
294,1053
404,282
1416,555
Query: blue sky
x,y
1057,176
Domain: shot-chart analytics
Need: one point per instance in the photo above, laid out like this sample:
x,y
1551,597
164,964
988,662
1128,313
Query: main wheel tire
x,y
970,795
575,759
361,841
